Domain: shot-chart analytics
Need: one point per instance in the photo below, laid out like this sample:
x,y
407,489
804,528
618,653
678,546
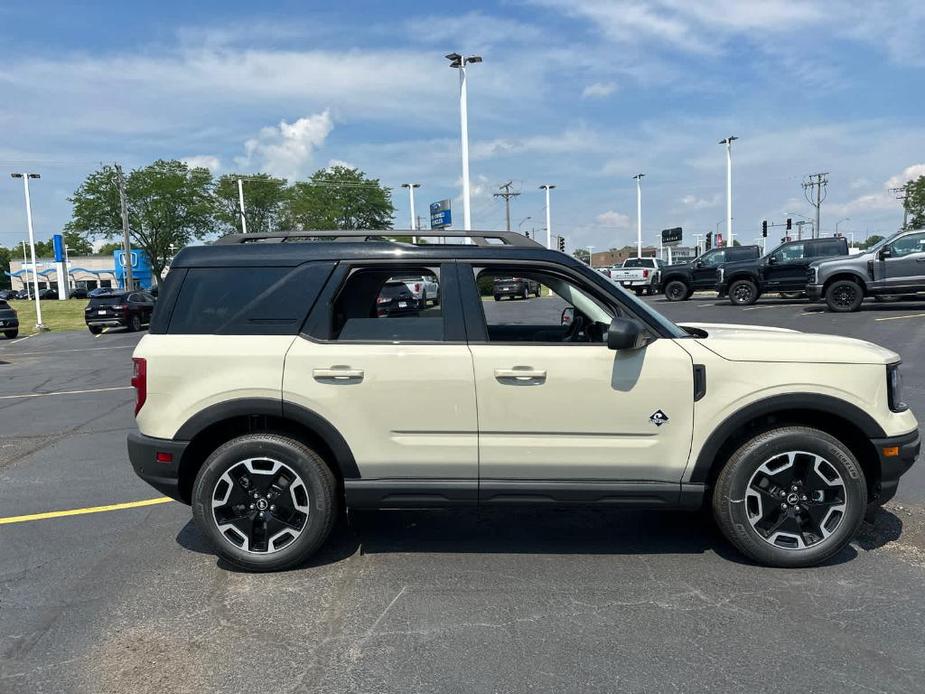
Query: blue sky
x,y
578,93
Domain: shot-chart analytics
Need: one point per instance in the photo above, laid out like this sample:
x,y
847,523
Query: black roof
x,y
295,248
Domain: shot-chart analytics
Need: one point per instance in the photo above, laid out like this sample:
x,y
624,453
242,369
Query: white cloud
x,y
339,162
287,150
598,89
693,202
206,161
883,199
613,220
910,173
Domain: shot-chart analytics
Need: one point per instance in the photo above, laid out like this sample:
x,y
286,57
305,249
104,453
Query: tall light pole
x,y
35,273
845,219
459,62
548,188
728,142
241,205
414,224
521,223
590,255
638,179
25,261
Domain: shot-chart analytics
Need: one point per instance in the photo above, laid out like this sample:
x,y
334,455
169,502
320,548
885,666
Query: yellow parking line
x,y
911,315
82,511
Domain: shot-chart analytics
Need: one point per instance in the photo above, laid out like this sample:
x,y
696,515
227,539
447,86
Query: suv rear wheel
x,y
844,296
743,292
790,497
266,502
11,334
676,290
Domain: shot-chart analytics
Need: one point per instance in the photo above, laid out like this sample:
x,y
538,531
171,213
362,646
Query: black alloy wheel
x,y
676,290
844,296
743,293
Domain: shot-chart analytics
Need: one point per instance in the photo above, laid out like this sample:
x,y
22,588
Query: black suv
x,y
681,280
9,320
515,287
125,310
782,270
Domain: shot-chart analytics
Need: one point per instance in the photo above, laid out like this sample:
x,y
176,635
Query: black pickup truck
x,y
782,270
683,279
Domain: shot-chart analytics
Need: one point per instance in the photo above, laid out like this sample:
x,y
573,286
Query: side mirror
x,y
772,260
886,253
568,315
624,334
698,264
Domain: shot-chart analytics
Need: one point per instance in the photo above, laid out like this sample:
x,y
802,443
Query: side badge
x,y
658,418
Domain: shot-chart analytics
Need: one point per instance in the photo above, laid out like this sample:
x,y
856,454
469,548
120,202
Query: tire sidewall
x,y
752,288
306,464
730,510
837,308
669,294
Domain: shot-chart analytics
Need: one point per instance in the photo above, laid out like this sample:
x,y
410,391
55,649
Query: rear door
x,y
397,386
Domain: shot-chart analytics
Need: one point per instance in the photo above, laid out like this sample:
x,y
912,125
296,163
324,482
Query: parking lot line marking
x,y
64,392
911,315
758,308
82,511
68,351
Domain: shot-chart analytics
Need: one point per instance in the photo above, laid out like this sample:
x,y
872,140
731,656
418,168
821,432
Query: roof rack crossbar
x,y
479,238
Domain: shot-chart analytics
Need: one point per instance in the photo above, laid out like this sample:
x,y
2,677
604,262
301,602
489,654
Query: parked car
x,y
268,419
894,267
23,294
129,310
515,288
79,293
9,320
101,291
681,280
642,275
781,270
7,294
48,294
395,299
424,288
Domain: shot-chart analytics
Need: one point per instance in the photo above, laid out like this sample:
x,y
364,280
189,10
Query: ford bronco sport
x,y
267,384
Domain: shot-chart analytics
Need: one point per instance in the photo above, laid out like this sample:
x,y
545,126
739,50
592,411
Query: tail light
x,y
119,307
645,274
140,381
417,286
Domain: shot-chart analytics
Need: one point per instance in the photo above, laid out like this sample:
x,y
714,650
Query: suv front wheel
x,y
265,502
743,293
844,296
790,497
676,290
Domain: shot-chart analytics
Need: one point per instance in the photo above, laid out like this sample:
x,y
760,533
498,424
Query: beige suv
x,y
272,391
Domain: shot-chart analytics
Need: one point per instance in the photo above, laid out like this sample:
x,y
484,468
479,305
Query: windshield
x,y
107,300
638,262
884,241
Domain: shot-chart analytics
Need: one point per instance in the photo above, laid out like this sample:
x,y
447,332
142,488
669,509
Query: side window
x,y
792,252
555,309
913,243
713,259
389,304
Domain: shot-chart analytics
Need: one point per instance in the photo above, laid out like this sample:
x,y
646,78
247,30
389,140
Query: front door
x,y
555,404
704,270
786,268
905,266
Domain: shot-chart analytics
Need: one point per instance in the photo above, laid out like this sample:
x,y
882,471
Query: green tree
x,y
870,241
582,254
169,204
264,198
6,254
109,248
339,198
915,203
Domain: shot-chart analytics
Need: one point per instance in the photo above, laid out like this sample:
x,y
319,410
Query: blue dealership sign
x,y
141,268
58,243
440,215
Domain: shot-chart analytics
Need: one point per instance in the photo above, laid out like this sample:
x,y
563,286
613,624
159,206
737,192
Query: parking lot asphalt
x,y
500,600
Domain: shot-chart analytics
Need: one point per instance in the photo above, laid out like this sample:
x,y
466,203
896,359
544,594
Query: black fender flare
x,y
816,402
270,407
860,278
680,277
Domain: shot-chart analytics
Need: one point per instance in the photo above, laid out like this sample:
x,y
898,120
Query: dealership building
x,y
90,271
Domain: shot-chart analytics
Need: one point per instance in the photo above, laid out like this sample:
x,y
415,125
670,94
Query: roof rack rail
x,y
479,238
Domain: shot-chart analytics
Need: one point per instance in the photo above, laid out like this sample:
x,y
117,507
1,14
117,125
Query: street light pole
x,y
590,256
414,224
521,223
241,204
638,179
845,219
548,187
459,62
39,325
728,142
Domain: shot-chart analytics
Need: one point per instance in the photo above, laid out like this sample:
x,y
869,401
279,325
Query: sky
x,y
581,94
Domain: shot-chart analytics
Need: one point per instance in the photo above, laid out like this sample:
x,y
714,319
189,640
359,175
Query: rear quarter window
x,y
246,301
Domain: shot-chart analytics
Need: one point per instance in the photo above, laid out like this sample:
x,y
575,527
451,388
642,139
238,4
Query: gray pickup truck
x,y
893,267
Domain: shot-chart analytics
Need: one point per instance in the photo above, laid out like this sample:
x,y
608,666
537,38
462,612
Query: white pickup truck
x,y
639,274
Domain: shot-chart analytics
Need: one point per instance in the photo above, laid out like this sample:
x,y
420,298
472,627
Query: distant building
x,y
90,271
615,257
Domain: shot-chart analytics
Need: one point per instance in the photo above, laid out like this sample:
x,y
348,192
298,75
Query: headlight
x,y
813,275
894,388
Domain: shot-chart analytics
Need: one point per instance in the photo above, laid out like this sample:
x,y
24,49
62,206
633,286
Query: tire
x,y
650,290
497,297
676,290
773,470
637,291
525,295
11,334
95,329
311,486
134,324
536,293
844,296
743,293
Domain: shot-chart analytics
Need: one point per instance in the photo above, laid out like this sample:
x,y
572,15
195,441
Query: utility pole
x,y
39,325
902,194
548,187
728,142
638,179
126,242
814,190
507,195
241,205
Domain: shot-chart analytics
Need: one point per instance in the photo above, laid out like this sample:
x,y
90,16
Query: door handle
x,y
338,373
520,373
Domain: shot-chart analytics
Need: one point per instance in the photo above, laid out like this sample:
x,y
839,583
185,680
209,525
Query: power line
x,y
507,195
816,183
902,194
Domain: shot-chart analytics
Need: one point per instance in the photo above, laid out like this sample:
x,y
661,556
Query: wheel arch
x,y
735,277
211,427
846,275
675,277
843,420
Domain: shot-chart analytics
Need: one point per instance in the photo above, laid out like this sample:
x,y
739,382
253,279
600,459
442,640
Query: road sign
x,y
440,215
671,237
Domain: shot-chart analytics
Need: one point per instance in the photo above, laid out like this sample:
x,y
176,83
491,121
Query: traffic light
x,y
562,244
764,229
789,224
527,234
708,244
